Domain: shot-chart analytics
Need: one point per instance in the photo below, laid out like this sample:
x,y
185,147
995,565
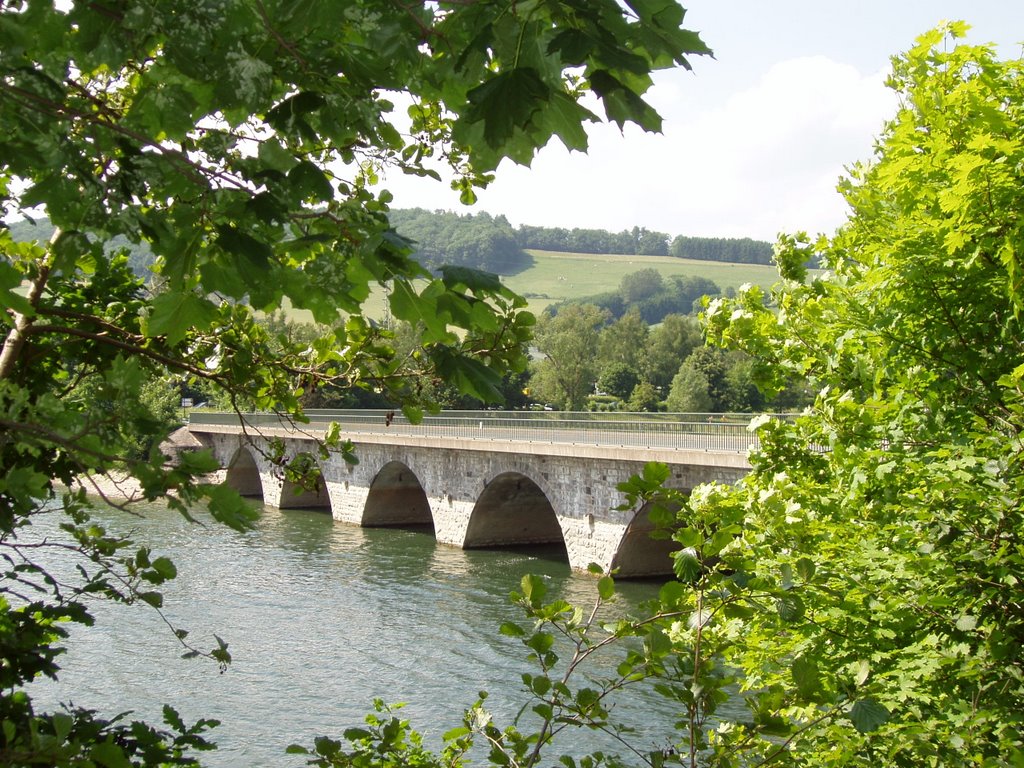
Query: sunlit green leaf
x,y
688,566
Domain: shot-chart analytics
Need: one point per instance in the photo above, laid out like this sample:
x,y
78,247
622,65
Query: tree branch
x,y
15,340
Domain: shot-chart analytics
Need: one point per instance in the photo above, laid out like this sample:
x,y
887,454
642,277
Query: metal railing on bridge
x,y
673,431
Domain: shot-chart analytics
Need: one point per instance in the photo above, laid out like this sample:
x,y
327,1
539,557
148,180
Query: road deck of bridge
x,y
592,444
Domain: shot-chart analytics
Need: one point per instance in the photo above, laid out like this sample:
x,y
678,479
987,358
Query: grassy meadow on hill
x,y
556,276
552,277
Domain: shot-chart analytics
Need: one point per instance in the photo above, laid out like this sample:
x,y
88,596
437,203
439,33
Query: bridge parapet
x,y
710,432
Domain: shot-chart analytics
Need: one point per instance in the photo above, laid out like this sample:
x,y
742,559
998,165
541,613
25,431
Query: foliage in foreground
x,y
239,141
879,548
862,590
863,584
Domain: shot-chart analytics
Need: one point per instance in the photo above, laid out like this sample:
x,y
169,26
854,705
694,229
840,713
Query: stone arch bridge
x,y
488,478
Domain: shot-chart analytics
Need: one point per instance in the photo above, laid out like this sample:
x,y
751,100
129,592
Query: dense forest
x,y
443,237
739,250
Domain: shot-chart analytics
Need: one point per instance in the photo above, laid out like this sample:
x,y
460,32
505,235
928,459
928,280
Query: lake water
x,y
321,618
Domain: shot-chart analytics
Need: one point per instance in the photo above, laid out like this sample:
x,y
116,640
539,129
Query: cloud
x,y
763,160
769,158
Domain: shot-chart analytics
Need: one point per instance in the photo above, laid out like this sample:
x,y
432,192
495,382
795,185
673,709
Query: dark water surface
x,y
321,618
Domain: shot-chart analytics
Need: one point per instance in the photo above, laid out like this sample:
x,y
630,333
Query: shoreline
x,y
121,488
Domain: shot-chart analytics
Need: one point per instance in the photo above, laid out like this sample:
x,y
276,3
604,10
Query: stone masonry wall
x,y
582,491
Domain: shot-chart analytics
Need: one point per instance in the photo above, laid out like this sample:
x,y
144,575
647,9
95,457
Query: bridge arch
x,y
639,555
468,481
512,509
396,498
243,474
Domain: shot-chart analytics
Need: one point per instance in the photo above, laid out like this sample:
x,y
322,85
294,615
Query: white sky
x,y
754,140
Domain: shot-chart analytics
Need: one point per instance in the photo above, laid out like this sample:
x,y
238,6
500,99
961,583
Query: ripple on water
x,y
320,618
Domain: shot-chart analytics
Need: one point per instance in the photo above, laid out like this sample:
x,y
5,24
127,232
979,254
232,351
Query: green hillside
x,y
554,276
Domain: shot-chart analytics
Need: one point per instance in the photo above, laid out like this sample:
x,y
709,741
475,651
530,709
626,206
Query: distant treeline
x,y
644,242
140,257
738,250
492,243
24,230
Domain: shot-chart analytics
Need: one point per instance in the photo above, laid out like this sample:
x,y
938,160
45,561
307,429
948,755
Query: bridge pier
x,y
347,488
348,501
451,518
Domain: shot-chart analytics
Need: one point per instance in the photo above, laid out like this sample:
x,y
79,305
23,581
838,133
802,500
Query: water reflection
x,y
321,618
